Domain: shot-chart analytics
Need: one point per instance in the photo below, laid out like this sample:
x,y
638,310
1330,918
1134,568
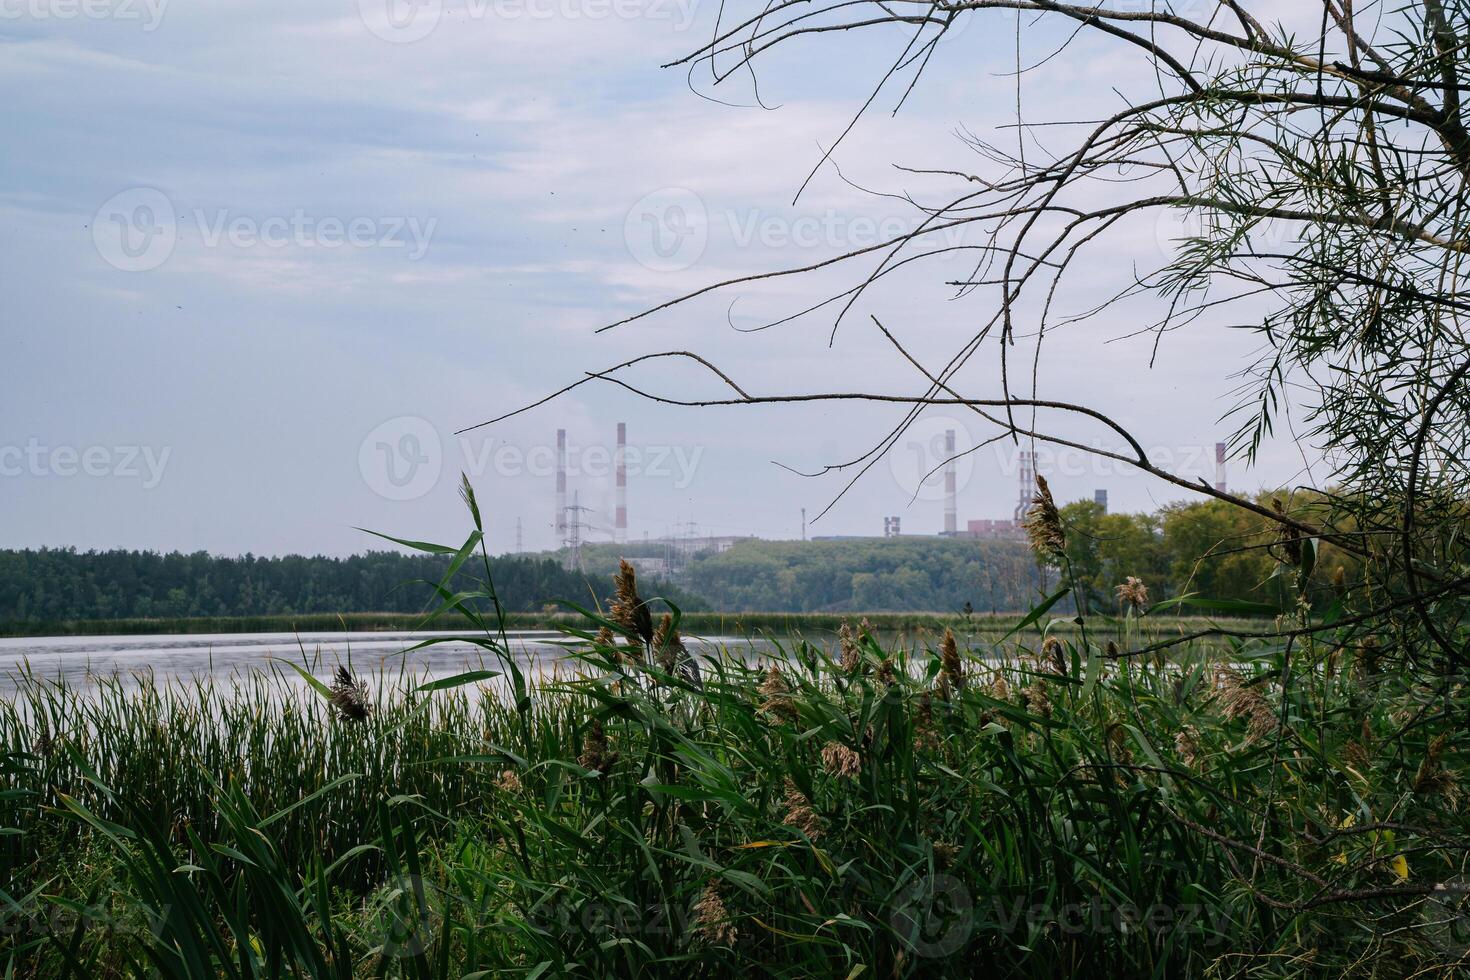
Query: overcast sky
x,y
261,260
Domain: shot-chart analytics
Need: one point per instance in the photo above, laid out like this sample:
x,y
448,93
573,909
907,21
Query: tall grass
x,y
861,811
1253,807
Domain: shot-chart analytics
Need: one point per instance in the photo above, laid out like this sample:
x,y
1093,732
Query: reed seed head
x,y
949,658
668,646
711,919
1433,779
926,735
799,812
841,761
628,609
1186,743
1043,525
349,696
1133,593
1037,700
1241,700
1054,655
596,753
776,697
852,658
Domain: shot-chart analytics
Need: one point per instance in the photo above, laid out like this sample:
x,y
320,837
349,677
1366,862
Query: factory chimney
x,y
951,508
561,488
1220,467
620,459
1027,484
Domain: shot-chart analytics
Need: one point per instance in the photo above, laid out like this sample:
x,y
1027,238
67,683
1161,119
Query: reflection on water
x,y
77,659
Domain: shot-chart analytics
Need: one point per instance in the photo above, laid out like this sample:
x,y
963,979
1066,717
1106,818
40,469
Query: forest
x,y
1207,547
52,584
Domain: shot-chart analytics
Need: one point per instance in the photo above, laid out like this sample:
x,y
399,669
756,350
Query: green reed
x,y
864,811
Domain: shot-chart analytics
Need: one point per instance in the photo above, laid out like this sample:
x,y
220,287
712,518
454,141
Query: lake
x,y
79,659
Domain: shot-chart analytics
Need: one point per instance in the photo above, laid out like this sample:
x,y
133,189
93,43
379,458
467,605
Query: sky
x,y
261,263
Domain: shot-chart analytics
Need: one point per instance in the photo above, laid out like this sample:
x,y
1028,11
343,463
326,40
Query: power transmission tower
x,y
574,532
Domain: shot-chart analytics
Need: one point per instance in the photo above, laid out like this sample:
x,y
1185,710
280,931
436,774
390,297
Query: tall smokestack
x,y
561,488
951,507
1027,484
1220,466
620,459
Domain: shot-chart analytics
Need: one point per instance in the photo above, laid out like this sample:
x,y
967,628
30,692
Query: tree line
x,y
1209,548
52,584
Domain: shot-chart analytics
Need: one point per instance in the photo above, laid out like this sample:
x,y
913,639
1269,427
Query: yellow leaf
x,y
1401,867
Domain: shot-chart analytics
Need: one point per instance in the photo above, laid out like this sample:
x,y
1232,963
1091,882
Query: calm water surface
x,y
80,659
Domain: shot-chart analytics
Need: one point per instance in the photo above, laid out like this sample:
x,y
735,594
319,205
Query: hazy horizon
x,y
263,263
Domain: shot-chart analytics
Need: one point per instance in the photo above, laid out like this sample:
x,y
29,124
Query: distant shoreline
x,y
706,623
